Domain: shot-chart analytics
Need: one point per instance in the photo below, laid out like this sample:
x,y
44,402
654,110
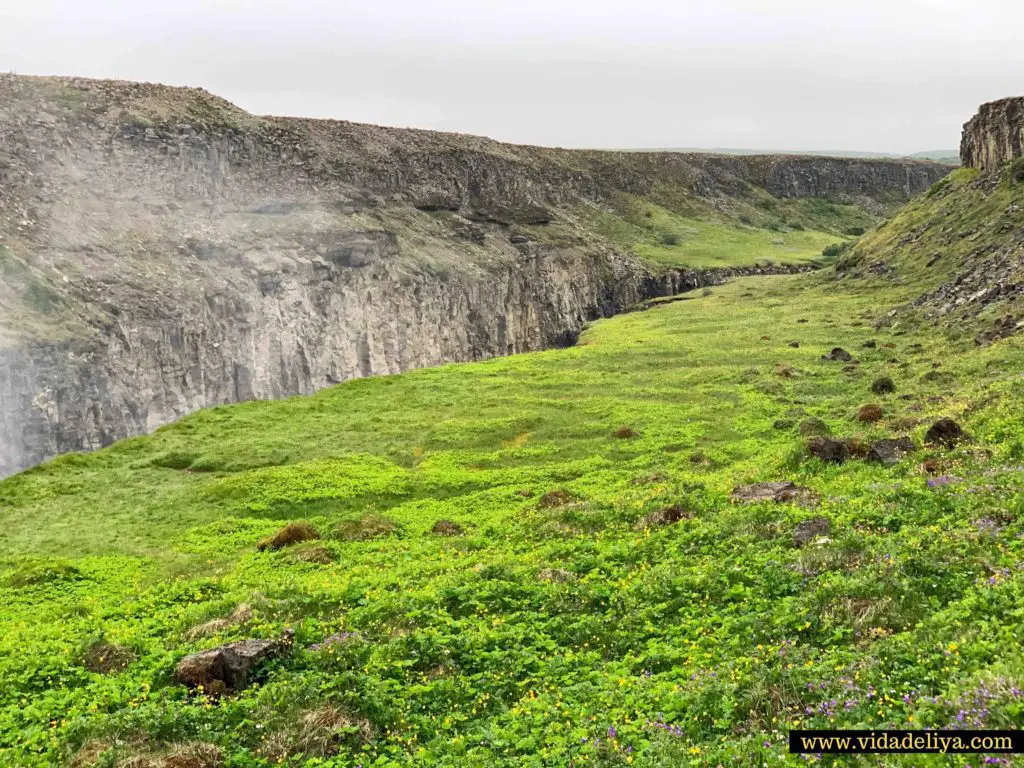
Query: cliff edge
x,y
163,251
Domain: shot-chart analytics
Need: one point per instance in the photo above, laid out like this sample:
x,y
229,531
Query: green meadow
x,y
594,596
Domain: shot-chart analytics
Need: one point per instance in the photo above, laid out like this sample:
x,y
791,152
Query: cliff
x,y
994,136
163,251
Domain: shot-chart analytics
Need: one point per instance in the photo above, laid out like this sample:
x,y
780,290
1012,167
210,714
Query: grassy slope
x,y
466,654
691,233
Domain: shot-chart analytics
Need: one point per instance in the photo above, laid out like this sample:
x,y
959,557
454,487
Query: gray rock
x,y
890,452
829,449
808,530
838,354
227,669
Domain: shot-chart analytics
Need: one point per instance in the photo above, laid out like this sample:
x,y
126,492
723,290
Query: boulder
x,y
228,668
945,432
809,530
829,449
889,452
870,344
838,354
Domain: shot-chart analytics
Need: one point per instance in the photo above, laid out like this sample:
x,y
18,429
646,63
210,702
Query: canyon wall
x,y
163,251
994,136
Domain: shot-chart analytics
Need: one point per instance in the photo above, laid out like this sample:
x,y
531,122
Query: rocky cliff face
x,y
994,136
163,251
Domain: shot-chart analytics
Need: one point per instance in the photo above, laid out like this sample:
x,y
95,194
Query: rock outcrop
x,y
163,251
994,136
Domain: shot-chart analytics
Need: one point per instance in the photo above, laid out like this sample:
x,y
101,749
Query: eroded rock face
x,y
164,251
994,136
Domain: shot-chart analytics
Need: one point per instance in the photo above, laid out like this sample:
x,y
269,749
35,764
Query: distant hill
x,y
948,156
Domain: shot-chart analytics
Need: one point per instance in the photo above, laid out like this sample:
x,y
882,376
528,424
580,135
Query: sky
x,y
894,76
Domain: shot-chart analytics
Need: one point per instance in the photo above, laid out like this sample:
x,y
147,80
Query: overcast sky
x,y
874,75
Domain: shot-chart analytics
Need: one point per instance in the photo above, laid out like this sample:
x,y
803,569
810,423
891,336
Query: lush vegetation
x,y
762,230
536,560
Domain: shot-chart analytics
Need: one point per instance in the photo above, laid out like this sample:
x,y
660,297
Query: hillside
x,y
164,251
556,558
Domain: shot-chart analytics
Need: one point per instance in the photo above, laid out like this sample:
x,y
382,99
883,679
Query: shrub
x,y
670,238
856,231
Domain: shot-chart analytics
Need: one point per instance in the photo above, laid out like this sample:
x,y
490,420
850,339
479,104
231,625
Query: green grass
x,y
702,237
548,626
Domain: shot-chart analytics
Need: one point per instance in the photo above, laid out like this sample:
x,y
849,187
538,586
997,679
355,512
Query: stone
x,y
829,449
883,386
870,413
889,452
808,530
838,354
795,344
780,492
228,668
870,344
664,516
946,433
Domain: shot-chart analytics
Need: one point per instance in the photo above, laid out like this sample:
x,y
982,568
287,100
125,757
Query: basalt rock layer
x,y
994,136
163,251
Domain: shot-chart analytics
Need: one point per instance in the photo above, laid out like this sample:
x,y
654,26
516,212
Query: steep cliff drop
x,y
162,250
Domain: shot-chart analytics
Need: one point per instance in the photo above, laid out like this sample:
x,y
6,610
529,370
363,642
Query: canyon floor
x,y
557,558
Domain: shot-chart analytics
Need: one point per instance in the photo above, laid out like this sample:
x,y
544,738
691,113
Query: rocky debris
x,y
781,492
870,344
292,533
446,528
229,668
889,452
829,449
664,516
1004,328
810,530
946,433
883,386
870,413
838,354
813,427
519,239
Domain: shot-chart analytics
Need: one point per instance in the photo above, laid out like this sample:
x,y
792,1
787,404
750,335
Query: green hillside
x,y
539,560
